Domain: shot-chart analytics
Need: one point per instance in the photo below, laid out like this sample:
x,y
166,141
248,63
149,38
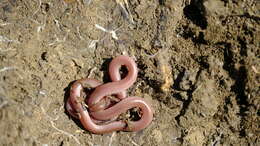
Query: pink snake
x,y
99,114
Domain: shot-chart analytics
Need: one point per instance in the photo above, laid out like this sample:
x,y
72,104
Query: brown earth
x,y
198,64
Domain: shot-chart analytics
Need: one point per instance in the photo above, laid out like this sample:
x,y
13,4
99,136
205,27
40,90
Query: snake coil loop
x,y
97,113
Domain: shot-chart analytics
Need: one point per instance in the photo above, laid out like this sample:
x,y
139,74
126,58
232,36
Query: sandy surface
x,y
198,64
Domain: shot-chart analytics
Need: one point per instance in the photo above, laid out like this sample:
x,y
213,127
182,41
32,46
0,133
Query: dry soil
x,y
198,65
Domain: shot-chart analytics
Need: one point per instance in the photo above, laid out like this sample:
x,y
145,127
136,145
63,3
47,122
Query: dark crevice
x,y
200,39
242,132
187,102
225,2
61,144
178,80
105,68
203,62
239,89
186,32
45,7
44,56
228,56
162,2
196,13
154,84
185,106
249,31
135,114
178,97
240,77
227,102
248,16
243,49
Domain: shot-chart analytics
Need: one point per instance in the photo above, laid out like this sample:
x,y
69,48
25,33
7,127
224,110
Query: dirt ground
x,y
198,64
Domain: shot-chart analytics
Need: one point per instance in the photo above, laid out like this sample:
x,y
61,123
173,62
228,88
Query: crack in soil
x,y
189,100
196,13
239,87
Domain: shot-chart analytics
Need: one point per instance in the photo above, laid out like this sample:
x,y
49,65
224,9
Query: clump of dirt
x,y
198,65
